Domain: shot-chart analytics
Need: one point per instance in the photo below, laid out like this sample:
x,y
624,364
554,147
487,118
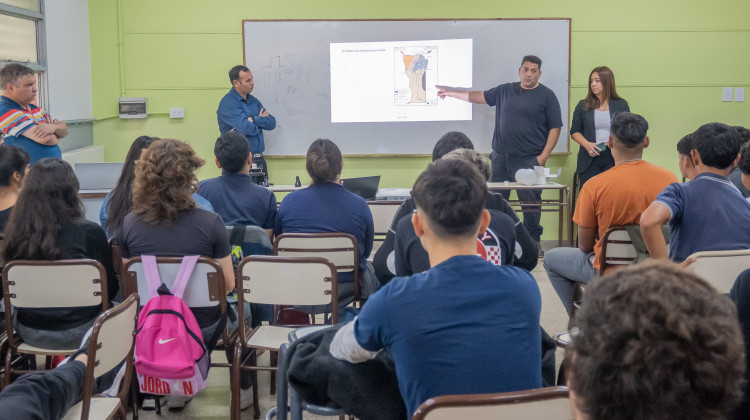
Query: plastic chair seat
x,y
29,349
101,408
269,337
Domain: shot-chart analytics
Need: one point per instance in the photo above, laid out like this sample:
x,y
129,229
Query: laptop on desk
x,y
365,187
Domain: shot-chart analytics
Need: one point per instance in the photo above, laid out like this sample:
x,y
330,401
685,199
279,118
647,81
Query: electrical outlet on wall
x,y
739,94
176,113
726,95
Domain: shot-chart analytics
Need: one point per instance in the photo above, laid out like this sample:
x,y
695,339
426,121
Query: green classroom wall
x,y
670,58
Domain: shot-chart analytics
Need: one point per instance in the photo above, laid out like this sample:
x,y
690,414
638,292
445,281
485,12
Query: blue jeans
x,y
504,168
566,267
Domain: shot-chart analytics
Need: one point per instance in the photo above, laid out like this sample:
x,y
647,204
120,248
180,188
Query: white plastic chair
x,y
48,284
339,248
536,404
111,343
720,268
278,280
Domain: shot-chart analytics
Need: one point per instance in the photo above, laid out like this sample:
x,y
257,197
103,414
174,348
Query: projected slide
x,y
395,81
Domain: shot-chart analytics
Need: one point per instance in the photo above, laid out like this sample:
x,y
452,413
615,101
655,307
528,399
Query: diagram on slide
x,y
415,75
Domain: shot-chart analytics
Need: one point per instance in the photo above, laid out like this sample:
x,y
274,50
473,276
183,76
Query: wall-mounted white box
x,y
176,112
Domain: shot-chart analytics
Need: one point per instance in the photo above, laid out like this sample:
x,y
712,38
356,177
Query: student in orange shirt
x,y
615,197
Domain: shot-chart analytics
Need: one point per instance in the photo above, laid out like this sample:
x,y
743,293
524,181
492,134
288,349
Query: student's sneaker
x,y
176,401
541,251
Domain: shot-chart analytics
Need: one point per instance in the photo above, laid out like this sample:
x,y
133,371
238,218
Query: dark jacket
x,y
583,122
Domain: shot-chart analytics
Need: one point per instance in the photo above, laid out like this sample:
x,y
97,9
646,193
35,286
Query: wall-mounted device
x,y
133,108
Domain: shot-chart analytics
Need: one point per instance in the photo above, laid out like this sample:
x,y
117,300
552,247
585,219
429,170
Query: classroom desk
x,y
547,205
561,205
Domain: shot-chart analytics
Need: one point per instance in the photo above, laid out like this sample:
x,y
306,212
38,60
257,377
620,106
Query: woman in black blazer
x,y
591,120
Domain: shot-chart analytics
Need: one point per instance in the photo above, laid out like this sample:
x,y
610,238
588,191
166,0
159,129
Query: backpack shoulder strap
x,y
151,271
186,269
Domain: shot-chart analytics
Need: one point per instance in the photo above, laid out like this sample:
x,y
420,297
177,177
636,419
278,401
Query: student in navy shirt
x,y
707,213
234,196
465,326
326,206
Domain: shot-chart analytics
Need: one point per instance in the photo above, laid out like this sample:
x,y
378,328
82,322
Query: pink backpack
x,y
170,356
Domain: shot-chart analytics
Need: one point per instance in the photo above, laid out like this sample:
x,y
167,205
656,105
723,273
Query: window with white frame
x,y
22,39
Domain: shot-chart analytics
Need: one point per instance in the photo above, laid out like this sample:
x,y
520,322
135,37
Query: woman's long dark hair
x,y
607,78
121,199
48,200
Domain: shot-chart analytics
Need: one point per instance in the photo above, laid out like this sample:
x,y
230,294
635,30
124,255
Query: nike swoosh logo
x,y
166,341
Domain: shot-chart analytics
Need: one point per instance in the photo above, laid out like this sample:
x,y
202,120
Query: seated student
x,y
48,223
736,175
234,195
615,197
525,250
685,162
465,326
117,203
14,164
744,166
165,221
326,206
654,342
496,244
703,214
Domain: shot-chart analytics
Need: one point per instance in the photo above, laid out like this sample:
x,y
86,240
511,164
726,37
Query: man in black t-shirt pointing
x,y
527,126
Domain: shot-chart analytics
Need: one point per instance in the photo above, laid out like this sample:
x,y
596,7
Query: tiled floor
x,y
213,403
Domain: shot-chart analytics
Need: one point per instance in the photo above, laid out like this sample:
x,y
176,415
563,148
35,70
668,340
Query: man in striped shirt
x,y
22,123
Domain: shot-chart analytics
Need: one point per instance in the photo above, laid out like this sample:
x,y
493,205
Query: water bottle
x,y
297,183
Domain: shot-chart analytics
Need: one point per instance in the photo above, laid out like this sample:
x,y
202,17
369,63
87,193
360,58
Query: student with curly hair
x,y
165,221
117,203
48,223
655,342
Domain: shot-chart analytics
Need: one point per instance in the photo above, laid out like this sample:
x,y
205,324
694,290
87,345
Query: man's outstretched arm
x,y
475,97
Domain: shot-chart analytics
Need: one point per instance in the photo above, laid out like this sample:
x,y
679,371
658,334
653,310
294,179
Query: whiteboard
x,y
291,68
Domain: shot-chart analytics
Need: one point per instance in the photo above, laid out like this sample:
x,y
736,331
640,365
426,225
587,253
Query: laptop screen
x,y
365,187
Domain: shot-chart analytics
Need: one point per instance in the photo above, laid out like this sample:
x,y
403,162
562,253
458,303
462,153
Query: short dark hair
x,y
630,129
234,73
532,59
451,193
717,144
12,159
231,150
744,162
656,341
323,161
743,132
449,142
685,145
11,72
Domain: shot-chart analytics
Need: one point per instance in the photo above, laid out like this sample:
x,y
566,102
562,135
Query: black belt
x,y
257,155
